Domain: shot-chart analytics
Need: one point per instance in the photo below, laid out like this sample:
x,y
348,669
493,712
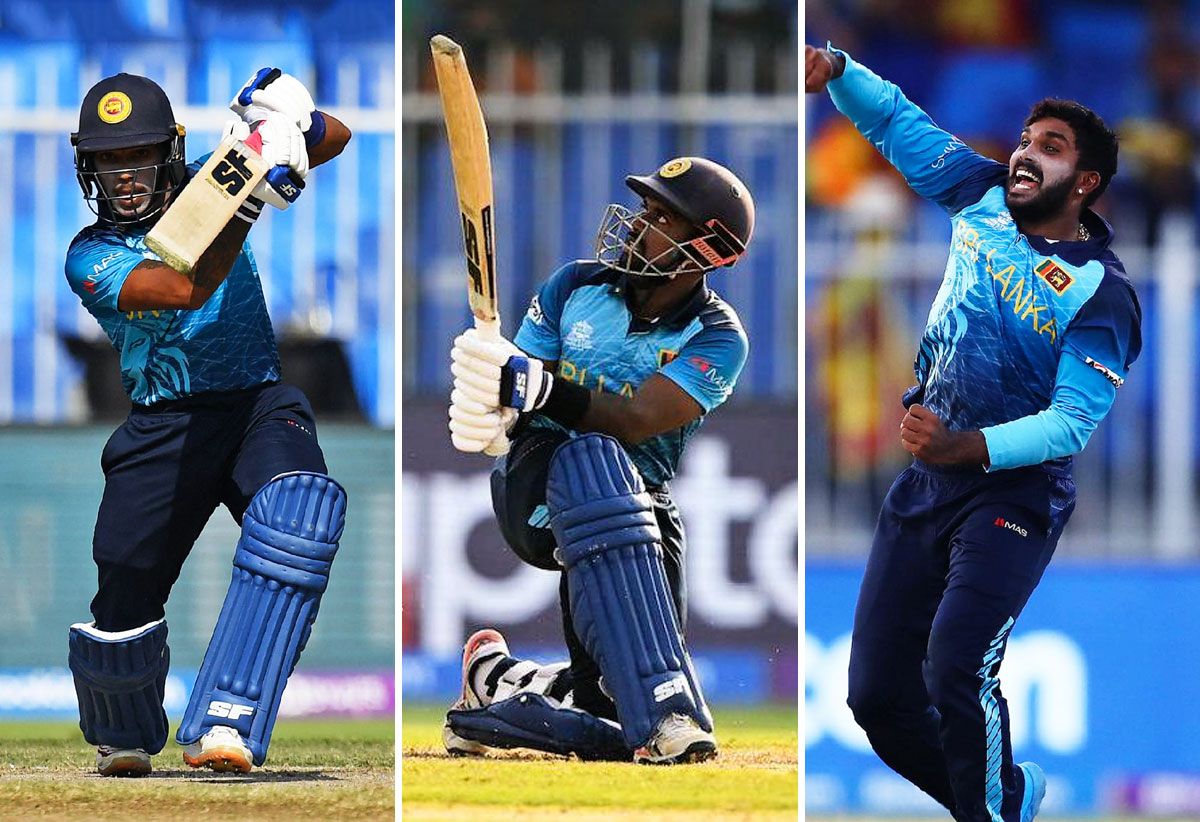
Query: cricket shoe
x,y
122,761
482,645
1035,790
221,749
678,739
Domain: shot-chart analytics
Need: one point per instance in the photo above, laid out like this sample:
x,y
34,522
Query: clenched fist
x,y
925,437
819,67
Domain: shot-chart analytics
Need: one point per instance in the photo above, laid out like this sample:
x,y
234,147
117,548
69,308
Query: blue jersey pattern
x,y
225,345
1010,305
579,319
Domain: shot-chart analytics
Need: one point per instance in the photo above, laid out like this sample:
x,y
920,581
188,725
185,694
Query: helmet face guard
x,y
620,244
165,179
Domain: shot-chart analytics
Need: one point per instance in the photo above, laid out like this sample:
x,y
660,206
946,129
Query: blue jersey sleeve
x,y
1106,332
709,364
936,164
538,335
1082,397
97,269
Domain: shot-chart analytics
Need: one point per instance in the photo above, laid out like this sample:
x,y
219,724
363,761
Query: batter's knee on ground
x,y
120,682
621,605
290,535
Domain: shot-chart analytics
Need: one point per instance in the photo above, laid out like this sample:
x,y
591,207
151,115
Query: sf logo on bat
x,y
478,260
231,174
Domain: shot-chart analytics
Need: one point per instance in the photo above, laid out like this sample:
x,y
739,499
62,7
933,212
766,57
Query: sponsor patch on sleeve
x,y
1108,373
535,311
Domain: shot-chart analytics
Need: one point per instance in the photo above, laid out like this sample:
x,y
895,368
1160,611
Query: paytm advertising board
x,y
1100,677
736,489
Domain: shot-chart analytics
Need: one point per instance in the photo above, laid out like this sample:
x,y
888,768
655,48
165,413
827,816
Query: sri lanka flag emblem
x,y
1054,276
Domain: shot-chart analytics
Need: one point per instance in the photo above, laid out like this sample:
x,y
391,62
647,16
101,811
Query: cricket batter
x,y
210,424
1028,340
615,365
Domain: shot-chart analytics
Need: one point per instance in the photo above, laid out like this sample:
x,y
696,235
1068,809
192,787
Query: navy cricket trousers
x,y
168,467
956,554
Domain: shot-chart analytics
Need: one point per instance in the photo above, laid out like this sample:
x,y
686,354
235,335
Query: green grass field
x,y
754,779
315,771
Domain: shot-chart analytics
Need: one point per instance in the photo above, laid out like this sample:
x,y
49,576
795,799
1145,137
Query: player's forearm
x,y
331,144
1082,398
155,286
215,264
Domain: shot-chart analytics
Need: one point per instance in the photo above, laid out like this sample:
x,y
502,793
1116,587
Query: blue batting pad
x,y
621,604
290,534
538,722
120,679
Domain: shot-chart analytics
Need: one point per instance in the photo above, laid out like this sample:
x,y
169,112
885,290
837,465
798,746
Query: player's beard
x,y
1047,203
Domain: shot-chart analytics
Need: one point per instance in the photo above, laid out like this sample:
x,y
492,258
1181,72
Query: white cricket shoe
x,y
221,749
122,761
481,644
677,739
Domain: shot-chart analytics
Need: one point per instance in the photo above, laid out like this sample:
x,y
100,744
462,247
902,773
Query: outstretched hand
x,y
818,69
928,439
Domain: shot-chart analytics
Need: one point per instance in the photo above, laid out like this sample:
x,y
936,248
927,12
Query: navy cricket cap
x,y
124,111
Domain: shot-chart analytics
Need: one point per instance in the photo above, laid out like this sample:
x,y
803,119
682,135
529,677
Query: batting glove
x,y
288,158
269,90
478,422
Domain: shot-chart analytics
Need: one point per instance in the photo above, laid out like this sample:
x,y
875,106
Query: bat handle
x,y
488,329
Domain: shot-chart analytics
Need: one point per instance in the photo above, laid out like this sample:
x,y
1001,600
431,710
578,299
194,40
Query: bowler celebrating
x,y
210,424
616,363
1028,340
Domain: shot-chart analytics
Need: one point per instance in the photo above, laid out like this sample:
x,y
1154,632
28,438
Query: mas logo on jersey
x,y
666,355
1054,276
114,107
674,168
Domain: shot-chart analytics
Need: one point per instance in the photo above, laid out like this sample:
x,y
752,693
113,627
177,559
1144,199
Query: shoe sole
x,y
125,766
221,760
698,751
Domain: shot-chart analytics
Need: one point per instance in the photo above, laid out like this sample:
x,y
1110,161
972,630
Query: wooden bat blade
x,y
467,135
206,205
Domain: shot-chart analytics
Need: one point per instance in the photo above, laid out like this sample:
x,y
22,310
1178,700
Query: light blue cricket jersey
x,y
579,318
1010,304
225,345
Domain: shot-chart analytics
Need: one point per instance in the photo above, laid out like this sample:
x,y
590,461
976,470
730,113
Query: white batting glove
x,y
281,93
265,191
477,420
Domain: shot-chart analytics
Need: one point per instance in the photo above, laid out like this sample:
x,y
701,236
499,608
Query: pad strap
x,y
290,534
620,599
120,681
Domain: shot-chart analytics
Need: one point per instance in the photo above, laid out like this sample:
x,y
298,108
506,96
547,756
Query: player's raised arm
x,y
936,164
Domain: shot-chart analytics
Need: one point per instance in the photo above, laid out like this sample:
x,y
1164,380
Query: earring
x,y
1079,191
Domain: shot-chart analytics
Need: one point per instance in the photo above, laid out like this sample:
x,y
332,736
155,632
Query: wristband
x,y
316,132
249,210
567,403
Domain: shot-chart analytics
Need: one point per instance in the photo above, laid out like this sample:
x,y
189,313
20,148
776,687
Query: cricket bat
x,y
468,138
208,202
467,133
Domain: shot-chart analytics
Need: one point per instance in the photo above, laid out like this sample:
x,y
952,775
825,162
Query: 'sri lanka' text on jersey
x,y
225,345
580,319
1009,304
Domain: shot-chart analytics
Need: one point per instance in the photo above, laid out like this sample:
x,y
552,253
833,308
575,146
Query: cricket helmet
x,y
120,112
707,195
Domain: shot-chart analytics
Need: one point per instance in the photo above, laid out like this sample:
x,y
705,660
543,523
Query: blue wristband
x,y
316,132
